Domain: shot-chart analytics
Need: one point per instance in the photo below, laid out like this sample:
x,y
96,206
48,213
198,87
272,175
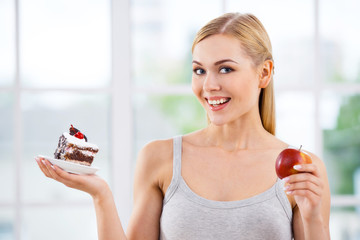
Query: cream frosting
x,y
79,142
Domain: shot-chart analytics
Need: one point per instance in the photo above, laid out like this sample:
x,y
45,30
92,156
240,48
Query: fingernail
x,y
297,167
286,187
289,192
286,179
43,161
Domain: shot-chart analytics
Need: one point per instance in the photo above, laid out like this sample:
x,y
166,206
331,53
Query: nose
x,y
211,83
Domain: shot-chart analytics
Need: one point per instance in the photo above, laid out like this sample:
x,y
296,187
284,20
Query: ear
x,y
266,72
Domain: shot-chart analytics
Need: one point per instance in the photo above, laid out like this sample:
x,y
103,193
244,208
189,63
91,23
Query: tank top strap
x,y
280,194
177,150
176,174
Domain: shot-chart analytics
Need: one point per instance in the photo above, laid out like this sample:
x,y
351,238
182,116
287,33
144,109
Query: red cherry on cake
x,y
73,130
76,133
79,135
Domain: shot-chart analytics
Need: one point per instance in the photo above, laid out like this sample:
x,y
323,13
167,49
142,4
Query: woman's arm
x,y
148,197
311,192
108,222
153,162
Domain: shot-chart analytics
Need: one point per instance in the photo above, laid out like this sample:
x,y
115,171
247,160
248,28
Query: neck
x,y
240,135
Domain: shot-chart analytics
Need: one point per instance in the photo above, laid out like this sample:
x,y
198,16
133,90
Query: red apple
x,y
287,159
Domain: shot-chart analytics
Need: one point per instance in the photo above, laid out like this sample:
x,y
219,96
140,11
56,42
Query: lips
x,y
217,103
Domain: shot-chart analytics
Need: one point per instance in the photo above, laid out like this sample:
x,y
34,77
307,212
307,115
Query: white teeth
x,y
213,102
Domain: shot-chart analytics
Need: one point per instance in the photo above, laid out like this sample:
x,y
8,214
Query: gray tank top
x,y
188,216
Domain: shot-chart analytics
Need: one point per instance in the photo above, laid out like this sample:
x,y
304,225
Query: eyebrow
x,y
218,62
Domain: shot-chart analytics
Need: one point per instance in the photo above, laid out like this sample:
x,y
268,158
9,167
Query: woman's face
x,y
224,79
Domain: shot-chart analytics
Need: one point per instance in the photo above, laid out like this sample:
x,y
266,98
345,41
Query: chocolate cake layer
x,y
78,156
75,150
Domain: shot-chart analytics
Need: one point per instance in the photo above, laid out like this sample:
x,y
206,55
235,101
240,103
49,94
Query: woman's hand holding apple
x,y
302,180
307,188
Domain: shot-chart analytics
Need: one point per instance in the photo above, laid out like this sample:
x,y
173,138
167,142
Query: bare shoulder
x,y
156,150
314,158
271,141
317,161
154,163
155,153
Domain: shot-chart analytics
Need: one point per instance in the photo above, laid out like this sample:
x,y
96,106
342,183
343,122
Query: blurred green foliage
x,y
342,147
180,73
185,112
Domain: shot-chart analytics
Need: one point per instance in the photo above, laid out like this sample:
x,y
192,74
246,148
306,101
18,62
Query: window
x,y
55,70
121,71
161,53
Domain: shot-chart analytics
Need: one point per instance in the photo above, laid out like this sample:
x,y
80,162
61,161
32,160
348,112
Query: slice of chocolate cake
x,y
73,147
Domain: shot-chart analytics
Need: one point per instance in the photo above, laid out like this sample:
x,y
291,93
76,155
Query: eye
x,y
199,71
225,70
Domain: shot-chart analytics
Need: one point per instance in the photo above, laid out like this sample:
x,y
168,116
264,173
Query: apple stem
x,y
300,147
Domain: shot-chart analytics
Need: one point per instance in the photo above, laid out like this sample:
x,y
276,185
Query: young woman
x,y
219,182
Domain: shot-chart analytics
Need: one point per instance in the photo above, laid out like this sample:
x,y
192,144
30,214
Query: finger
x,y
42,167
306,186
310,168
60,173
62,176
313,198
52,170
303,177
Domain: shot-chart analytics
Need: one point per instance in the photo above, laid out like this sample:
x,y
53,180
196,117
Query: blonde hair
x,y
256,44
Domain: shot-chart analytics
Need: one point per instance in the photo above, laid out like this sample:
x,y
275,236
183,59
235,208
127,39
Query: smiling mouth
x,y
219,102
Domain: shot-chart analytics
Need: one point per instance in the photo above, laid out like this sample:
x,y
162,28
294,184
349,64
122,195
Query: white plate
x,y
71,167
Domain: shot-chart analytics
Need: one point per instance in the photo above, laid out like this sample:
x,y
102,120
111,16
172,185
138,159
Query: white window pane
x,y
65,43
7,222
45,117
341,131
159,117
295,123
7,163
7,42
162,35
345,223
59,223
290,25
340,37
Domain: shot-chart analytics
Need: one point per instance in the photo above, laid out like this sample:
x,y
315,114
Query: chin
x,y
217,122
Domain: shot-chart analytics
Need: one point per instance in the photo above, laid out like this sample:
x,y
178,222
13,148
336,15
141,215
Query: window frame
x,y
122,91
